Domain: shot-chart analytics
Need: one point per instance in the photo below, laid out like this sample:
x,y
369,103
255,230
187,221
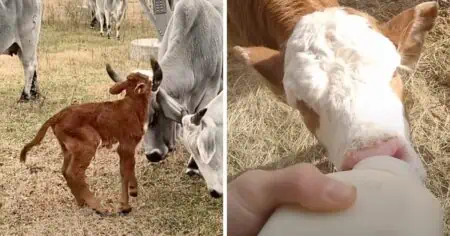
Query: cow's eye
x,y
153,119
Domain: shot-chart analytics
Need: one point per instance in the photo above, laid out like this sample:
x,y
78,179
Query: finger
x,y
253,196
305,185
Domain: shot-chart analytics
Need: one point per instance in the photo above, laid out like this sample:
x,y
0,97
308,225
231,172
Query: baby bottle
x,y
391,200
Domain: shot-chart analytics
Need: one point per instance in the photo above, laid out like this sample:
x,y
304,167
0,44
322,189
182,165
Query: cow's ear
x,y
206,143
169,106
268,62
195,119
157,74
408,29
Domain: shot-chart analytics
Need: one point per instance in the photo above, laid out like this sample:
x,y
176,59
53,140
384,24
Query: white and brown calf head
x,y
340,69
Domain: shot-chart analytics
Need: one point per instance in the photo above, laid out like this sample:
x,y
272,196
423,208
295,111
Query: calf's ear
x,y
139,88
266,61
118,87
408,29
169,106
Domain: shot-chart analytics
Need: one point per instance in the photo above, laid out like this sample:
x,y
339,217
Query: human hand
x,y
254,195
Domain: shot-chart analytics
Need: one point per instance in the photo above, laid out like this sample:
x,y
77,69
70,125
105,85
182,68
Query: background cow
x,y
20,25
191,58
108,10
203,137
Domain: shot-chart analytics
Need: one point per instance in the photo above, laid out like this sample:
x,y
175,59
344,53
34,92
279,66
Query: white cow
x,y
20,25
190,56
203,137
107,10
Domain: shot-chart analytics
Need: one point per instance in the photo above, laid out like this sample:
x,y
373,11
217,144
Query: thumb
x,y
253,196
305,185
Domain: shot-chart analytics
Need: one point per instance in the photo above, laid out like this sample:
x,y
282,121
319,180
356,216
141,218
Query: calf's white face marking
x,y
341,67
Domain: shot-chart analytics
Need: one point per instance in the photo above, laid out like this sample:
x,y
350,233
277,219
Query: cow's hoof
x,y
23,100
193,172
215,194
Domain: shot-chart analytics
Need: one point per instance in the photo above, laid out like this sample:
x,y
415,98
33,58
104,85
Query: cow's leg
x,y
93,20
108,23
119,20
101,21
192,168
29,61
127,163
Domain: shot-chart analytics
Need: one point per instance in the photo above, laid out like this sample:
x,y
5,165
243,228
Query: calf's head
x,y
203,139
165,115
340,69
136,84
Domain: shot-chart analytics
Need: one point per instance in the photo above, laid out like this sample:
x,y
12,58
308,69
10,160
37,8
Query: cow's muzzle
x,y
215,194
155,156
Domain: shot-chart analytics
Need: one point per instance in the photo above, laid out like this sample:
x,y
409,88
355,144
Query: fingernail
x,y
339,192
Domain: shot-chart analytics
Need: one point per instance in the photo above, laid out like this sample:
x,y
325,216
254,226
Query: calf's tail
x,y
37,139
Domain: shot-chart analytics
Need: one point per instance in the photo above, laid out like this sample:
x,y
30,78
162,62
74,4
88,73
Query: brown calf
x,y
297,56
261,29
82,129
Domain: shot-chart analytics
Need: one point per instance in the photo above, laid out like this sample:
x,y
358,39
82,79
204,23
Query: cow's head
x,y
340,69
164,121
203,139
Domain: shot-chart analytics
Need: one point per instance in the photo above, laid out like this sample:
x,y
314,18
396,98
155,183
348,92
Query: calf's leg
x,y
66,163
127,163
82,149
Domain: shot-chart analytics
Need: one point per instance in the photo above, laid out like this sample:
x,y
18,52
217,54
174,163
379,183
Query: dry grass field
x,y
264,133
34,198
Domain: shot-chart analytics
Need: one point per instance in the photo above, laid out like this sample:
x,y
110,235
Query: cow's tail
x,y
37,139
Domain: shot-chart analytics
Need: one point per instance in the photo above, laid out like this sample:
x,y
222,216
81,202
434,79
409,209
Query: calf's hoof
x,y
124,211
133,192
81,203
101,213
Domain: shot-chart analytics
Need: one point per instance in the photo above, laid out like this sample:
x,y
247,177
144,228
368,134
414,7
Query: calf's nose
x,y
154,157
215,194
